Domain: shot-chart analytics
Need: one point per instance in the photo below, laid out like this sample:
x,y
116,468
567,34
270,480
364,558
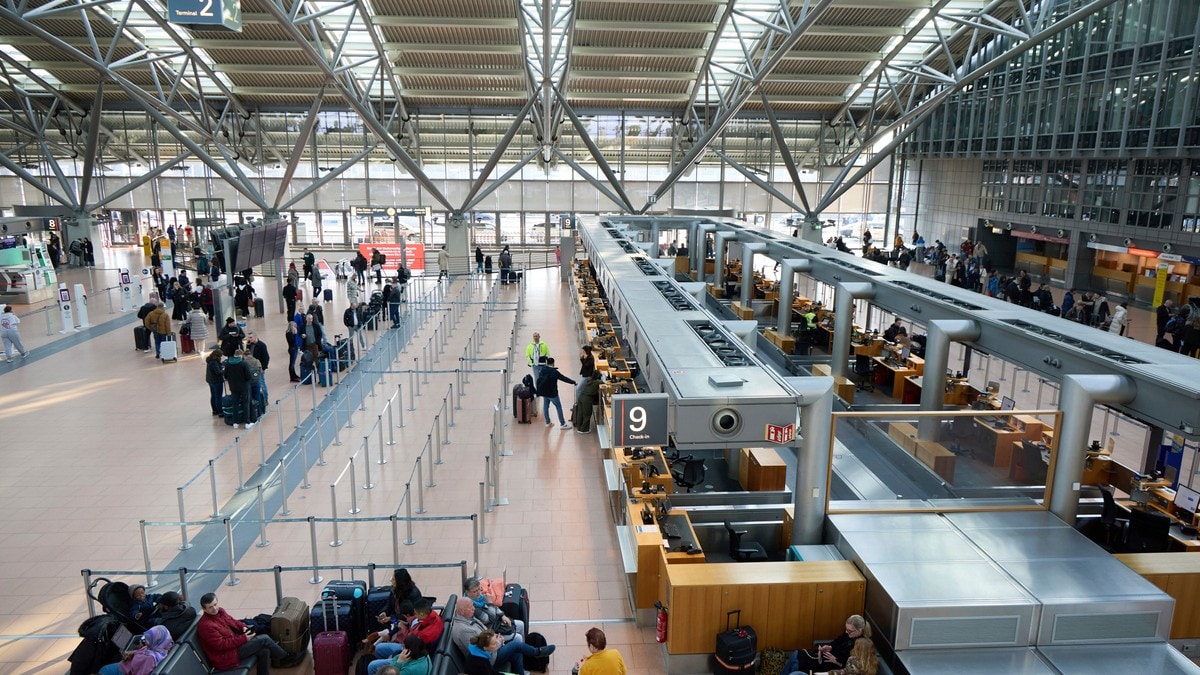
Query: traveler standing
x,y
214,375
547,387
478,260
9,333
443,261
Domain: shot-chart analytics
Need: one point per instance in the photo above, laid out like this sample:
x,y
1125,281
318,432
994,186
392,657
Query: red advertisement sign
x,y
414,256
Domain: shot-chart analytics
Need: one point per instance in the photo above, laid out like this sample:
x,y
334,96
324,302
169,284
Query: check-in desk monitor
x,y
1186,502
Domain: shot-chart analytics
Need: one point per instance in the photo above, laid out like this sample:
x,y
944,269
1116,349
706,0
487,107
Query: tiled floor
x,y
98,437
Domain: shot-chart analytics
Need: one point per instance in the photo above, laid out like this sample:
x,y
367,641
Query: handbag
x,y
376,268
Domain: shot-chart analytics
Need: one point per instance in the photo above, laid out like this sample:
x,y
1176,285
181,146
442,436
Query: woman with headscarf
x,y
153,648
585,403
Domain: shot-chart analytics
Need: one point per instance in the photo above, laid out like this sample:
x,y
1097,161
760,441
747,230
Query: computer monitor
x,y
1007,403
1187,499
664,507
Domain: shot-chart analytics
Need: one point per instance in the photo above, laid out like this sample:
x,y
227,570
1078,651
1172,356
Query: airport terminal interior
x,y
892,310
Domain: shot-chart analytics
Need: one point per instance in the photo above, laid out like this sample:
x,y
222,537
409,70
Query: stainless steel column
x,y
940,333
814,396
696,249
722,238
1080,394
748,251
654,235
843,324
787,286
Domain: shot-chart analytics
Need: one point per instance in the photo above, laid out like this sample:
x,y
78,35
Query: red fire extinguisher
x,y
660,625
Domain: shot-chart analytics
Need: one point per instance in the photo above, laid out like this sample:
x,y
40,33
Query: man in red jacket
x,y
429,623
226,641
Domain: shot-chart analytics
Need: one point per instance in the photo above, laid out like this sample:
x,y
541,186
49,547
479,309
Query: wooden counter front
x,y
1177,575
790,604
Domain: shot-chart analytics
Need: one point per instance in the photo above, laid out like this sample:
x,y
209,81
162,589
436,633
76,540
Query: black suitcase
x,y
515,604
379,601
736,646
141,338
722,668
230,411
328,295
487,265
259,311
355,592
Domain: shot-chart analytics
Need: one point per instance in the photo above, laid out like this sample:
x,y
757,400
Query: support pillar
x,y
1080,394
696,248
787,288
722,238
942,333
748,251
814,398
843,324
655,244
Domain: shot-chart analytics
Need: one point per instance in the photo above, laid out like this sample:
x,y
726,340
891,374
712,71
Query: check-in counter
x,y
931,453
1177,575
790,604
637,472
761,469
842,386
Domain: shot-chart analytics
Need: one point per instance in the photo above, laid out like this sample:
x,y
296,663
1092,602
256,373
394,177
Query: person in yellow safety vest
x,y
811,318
536,353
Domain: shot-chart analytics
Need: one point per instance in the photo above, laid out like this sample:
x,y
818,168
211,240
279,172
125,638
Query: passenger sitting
x,y
492,616
225,640
386,642
862,660
175,614
142,607
511,655
832,656
151,650
413,659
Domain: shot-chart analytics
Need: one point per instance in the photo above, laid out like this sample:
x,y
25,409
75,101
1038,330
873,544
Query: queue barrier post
x,y
183,535
262,520
353,489
233,580
312,538
146,554
408,541
366,445
212,483
283,488
420,489
482,509
333,508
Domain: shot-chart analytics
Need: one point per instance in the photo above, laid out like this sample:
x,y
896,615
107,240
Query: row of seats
x,y
188,658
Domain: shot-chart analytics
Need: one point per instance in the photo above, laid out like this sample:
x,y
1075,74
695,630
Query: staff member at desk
x,y
891,331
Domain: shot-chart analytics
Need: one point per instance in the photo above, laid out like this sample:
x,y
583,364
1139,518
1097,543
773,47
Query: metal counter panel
x,y
1035,544
1156,659
997,661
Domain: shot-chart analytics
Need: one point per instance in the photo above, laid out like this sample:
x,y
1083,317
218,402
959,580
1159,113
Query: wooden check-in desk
x,y
868,347
1006,433
655,553
959,393
790,604
1177,575
891,374
635,471
761,469
930,453
842,386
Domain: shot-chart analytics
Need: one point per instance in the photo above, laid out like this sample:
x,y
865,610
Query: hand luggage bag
x,y
259,310
536,663
299,295
736,646
354,592
169,349
290,624
328,295
323,372
141,338
516,603
521,406
231,411
379,601
331,648
186,344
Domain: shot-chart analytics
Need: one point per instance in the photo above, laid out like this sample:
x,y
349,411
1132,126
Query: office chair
x,y
1113,527
750,551
1149,532
692,474
862,368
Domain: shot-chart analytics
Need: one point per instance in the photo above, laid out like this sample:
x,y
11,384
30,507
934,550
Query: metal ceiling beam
x,y
785,153
754,178
138,181
500,180
764,56
596,155
347,89
497,153
302,136
595,182
90,147
370,21
324,180
709,52
907,123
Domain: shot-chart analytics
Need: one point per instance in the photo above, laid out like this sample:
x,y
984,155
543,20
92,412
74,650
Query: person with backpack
x,y
239,377
377,260
158,322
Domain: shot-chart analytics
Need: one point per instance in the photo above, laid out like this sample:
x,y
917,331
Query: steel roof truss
x,y
501,180
784,152
596,154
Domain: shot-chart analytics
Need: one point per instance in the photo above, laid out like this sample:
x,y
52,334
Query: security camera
x,y
1008,226
1166,248
1092,237
1033,229
726,422
1062,232
1128,241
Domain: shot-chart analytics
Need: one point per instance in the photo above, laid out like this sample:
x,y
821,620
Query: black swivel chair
x,y
1112,527
1149,532
862,368
750,551
692,474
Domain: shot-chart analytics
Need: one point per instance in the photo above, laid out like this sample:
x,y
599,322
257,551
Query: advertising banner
x,y
414,256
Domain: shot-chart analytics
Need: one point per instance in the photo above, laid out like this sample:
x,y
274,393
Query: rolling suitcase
x,y
522,405
141,338
186,344
259,311
328,295
323,372
379,601
354,592
299,296
230,410
331,648
289,626
516,604
169,349
736,647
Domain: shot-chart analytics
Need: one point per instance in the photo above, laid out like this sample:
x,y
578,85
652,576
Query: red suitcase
x,y
186,344
331,649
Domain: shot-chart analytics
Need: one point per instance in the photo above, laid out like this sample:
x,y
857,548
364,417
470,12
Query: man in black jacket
x,y
354,318
289,298
547,388
258,349
237,375
175,614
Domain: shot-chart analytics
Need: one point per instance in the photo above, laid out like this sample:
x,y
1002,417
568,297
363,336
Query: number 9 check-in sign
x,y
639,419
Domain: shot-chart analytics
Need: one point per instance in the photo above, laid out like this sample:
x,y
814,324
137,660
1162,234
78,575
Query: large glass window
x,y
1062,189
1103,186
1025,189
1153,192
991,191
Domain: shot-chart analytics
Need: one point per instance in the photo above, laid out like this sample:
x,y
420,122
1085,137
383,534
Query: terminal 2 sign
x,y
225,14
